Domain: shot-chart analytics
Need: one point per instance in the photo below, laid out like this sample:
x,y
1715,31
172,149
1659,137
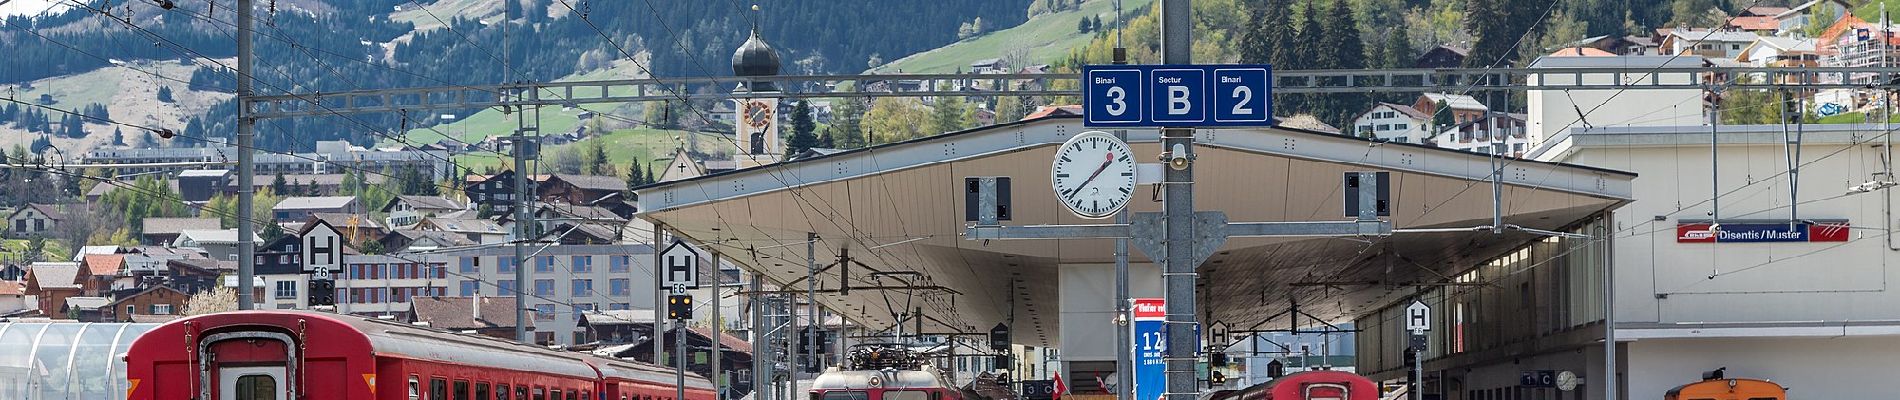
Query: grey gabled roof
x,y
314,203
160,226
424,203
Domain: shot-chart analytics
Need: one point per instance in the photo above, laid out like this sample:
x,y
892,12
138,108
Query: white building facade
x,y
1393,122
382,285
1553,111
1790,284
564,281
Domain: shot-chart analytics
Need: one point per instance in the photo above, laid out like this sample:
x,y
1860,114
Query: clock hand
x,y
1098,172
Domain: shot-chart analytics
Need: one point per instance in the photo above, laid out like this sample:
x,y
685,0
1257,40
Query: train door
x,y
248,366
251,383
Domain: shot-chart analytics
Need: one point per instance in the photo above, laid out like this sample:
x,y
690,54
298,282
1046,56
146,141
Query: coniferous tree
x,y
279,185
1307,42
165,94
118,137
826,140
803,136
1344,50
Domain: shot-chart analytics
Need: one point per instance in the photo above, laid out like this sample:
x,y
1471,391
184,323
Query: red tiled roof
x,y
1755,23
12,288
1582,52
726,339
104,264
1044,111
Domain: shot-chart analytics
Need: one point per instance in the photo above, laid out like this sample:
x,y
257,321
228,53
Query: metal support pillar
x,y
679,358
659,290
1610,379
718,330
811,295
524,225
1178,274
247,171
761,344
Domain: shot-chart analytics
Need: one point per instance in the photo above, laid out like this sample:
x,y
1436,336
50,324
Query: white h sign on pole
x,y
681,262
1418,317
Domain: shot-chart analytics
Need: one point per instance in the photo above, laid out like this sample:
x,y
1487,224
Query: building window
x,y
619,287
470,287
286,289
161,309
582,309
617,264
544,312
582,287
130,309
471,265
544,264
619,306
544,287
505,264
507,287
583,264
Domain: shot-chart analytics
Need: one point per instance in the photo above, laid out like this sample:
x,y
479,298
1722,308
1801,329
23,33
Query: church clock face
x,y
758,114
1094,174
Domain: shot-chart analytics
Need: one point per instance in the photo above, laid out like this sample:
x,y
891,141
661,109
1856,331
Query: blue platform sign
x,y
1151,347
1177,95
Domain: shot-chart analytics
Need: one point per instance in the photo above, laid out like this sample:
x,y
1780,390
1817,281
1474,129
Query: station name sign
x,y
1177,95
1759,232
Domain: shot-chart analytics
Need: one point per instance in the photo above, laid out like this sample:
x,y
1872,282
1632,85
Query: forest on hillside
x,y
341,46
1355,34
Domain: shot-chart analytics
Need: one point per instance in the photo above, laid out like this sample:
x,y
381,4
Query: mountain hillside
x,y
337,45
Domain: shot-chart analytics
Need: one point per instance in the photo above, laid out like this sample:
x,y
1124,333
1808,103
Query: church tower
x,y
757,122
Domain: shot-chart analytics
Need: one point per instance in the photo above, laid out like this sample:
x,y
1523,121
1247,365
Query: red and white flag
x,y
1061,387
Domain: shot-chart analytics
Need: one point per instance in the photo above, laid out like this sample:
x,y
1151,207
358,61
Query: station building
x,y
1732,258
903,207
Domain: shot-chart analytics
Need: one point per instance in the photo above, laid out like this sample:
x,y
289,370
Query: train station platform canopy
x,y
900,207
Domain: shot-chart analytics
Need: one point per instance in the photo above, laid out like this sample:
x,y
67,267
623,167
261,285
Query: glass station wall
x,y
65,360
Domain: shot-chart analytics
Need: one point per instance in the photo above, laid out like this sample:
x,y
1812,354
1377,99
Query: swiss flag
x,y
1061,387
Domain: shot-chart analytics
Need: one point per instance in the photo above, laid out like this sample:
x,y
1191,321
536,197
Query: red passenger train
x,y
269,355
1309,385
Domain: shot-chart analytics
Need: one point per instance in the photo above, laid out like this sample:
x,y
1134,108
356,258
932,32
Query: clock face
x,y
758,114
1566,381
1094,174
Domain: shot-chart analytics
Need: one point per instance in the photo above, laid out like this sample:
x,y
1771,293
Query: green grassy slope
x,y
1044,39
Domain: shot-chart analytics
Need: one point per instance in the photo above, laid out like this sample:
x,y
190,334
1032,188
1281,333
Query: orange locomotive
x,y
1714,387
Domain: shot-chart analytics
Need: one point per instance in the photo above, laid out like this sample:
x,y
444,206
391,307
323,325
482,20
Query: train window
x,y
521,393
906,395
846,395
481,391
501,392
572,394
540,393
556,395
438,389
461,390
256,387
415,388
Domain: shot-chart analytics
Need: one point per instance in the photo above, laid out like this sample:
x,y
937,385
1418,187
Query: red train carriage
x,y
304,355
1309,385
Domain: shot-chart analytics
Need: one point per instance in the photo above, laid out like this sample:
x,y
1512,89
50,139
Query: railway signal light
x,y
679,306
1216,379
1217,359
322,292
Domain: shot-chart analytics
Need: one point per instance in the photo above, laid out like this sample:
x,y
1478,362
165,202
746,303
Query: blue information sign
x,y
1177,95
1150,347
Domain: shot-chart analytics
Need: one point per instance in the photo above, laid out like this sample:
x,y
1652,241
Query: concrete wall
x,y
1552,111
1088,306
1660,281
1855,368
